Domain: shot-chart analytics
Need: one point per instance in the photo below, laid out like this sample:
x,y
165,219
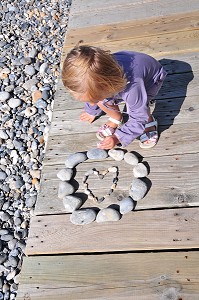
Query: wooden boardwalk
x,y
152,253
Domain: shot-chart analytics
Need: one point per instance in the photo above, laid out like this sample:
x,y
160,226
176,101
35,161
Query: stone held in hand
x,y
126,205
97,153
107,215
117,155
65,189
83,217
72,203
131,159
140,170
75,159
65,174
138,189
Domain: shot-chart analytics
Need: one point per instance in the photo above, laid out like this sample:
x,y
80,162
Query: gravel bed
x,y
31,39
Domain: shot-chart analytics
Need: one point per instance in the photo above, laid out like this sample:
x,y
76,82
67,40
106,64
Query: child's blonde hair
x,y
93,72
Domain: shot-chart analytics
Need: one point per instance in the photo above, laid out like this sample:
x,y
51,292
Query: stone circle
x,y
72,203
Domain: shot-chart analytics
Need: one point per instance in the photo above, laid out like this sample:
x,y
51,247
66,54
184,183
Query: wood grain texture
x,y
172,182
132,29
140,230
142,276
177,42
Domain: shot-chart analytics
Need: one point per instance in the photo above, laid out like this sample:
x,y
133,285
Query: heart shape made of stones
x,y
100,175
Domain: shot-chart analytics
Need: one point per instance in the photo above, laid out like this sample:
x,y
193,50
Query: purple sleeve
x,y
138,111
93,110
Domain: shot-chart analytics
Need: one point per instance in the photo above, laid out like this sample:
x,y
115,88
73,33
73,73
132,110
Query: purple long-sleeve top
x,y
145,76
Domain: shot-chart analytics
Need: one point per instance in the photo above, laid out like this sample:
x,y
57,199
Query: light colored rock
x,y
30,111
126,205
107,215
65,189
140,170
4,96
65,174
83,216
117,155
72,203
75,159
131,159
97,153
138,189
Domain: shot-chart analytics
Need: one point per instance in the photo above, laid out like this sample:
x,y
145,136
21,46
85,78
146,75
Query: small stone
x,y
3,258
89,172
43,68
107,214
29,84
41,104
65,189
126,205
138,189
65,174
25,60
117,155
113,169
36,95
14,102
131,158
4,96
72,203
11,275
13,261
30,111
140,170
29,70
97,154
75,159
3,175
30,201
83,216
3,135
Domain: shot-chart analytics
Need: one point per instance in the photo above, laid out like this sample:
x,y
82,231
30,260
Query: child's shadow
x,y
172,94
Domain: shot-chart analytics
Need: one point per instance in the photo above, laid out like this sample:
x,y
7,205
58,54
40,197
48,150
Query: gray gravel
x,y
31,38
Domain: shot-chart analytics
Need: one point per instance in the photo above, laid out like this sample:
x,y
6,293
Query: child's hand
x,y
109,142
86,117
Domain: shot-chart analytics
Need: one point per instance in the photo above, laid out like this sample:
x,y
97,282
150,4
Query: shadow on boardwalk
x,y
173,92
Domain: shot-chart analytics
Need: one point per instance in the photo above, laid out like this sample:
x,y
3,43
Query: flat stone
x,y
65,174
3,135
36,95
117,155
107,215
3,175
140,170
65,189
30,111
83,216
29,83
29,70
126,205
14,102
131,158
75,159
138,189
97,153
4,96
72,203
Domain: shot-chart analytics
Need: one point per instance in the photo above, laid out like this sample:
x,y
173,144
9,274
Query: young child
x,y
102,80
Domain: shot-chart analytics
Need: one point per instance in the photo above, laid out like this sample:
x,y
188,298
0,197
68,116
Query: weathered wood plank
x,y
142,276
175,139
173,179
108,12
132,29
178,42
140,230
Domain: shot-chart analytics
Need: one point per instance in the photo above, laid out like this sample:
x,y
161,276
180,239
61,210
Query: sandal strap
x,y
153,123
148,135
115,121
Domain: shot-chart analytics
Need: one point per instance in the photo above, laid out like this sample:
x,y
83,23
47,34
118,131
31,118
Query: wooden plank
x,y
175,139
108,12
174,182
140,276
132,29
140,230
170,43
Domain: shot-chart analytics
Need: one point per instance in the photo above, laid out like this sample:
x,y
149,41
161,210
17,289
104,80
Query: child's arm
x,y
113,111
